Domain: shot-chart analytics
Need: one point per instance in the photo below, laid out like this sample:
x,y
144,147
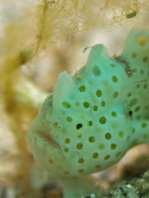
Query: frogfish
x,y
91,119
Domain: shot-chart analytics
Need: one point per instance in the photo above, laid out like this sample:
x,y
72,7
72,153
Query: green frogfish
x,y
93,118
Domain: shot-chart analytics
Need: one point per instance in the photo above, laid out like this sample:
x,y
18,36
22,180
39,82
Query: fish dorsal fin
x,y
98,62
136,49
63,87
97,55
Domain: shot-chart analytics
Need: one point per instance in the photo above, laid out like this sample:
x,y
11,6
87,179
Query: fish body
x,y
91,119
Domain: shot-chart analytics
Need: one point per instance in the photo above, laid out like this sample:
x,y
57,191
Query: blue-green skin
x,y
56,137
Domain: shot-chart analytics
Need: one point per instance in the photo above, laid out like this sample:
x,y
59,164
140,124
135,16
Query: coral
x,y
55,18
134,188
91,119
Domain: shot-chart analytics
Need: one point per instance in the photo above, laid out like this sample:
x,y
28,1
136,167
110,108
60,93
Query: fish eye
x,y
79,126
130,113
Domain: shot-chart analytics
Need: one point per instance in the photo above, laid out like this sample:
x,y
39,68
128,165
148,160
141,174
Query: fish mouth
x,y
49,139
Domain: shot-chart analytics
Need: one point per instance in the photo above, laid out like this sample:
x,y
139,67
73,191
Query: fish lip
x,y
49,138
